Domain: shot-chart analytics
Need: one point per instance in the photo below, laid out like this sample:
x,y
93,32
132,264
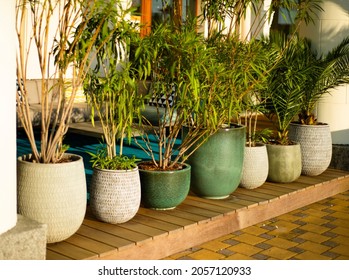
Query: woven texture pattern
x,y
316,147
255,167
53,194
115,195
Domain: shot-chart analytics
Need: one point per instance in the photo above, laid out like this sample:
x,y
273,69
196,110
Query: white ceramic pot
x,y
53,194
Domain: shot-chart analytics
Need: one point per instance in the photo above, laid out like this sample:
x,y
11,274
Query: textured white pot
x,y
115,195
255,167
316,146
53,194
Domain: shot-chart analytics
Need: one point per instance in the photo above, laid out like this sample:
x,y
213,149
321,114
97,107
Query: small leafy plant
x,y
101,160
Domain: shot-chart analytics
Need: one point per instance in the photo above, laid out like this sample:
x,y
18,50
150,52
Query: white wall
x,y
329,30
8,211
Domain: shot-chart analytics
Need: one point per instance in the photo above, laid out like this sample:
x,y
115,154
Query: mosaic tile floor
x,y
319,231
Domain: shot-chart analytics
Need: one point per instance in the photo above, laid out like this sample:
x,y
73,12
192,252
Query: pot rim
x,y
116,170
186,168
317,125
75,158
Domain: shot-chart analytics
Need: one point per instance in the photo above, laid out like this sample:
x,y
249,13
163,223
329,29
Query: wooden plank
x,y
157,234
116,230
165,216
103,237
51,255
71,251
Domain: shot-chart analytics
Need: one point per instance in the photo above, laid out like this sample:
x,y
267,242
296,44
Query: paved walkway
x,y
319,231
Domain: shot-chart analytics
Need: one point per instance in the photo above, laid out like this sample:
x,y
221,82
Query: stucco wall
x,y
329,30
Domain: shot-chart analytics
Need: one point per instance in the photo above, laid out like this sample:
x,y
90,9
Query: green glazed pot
x,y
285,163
164,190
217,164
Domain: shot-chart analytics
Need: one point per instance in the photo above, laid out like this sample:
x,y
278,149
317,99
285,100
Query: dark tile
x,y
225,252
298,240
330,243
331,255
266,236
300,222
296,250
231,242
328,210
267,227
330,234
329,225
263,246
300,214
298,231
260,257
329,218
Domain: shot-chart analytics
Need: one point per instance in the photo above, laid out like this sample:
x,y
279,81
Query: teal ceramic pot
x,y
164,190
285,163
217,164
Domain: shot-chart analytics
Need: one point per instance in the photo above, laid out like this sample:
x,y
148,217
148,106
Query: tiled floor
x,y
319,231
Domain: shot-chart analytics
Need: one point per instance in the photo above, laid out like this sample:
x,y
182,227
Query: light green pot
x,y
285,163
217,164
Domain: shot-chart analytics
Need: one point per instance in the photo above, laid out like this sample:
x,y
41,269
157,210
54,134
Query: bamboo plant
x,y
111,86
47,31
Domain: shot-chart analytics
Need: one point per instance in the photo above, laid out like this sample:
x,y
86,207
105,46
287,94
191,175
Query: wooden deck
x,y
155,234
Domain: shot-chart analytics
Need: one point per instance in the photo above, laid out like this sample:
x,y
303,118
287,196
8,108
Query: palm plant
x,y
287,82
328,71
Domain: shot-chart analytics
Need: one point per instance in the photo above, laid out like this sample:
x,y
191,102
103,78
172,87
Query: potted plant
x,y
51,183
111,89
183,86
325,73
283,97
255,165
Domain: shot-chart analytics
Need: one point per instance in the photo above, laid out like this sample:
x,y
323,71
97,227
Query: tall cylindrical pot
x,y
255,167
53,194
115,195
285,162
217,164
316,146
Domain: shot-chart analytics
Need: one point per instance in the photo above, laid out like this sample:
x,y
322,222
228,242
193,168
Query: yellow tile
x,y
281,243
313,247
341,215
283,227
180,255
279,253
245,249
289,217
255,230
314,228
342,258
314,220
341,230
204,254
249,239
338,201
311,236
238,256
340,223
341,249
307,255
214,245
226,237
340,208
315,212
341,240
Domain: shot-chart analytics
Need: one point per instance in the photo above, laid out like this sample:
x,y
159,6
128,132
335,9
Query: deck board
x,y
154,234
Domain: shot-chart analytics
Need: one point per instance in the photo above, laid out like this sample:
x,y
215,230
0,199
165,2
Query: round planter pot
x,y
217,164
53,194
255,167
164,190
316,146
285,163
115,195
